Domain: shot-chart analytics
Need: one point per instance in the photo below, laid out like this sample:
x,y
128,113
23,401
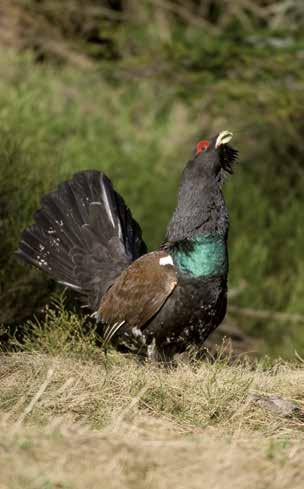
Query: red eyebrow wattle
x,y
201,146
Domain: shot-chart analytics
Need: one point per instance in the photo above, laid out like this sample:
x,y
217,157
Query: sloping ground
x,y
70,423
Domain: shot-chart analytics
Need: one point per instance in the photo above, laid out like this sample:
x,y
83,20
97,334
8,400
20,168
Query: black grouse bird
x,y
157,303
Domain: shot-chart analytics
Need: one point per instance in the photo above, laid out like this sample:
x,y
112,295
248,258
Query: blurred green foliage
x,y
127,88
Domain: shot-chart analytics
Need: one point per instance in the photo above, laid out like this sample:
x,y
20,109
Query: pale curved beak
x,y
223,138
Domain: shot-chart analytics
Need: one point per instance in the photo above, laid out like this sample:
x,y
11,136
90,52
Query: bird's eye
x,y
201,146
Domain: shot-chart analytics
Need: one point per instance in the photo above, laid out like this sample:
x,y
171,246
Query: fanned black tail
x,y
84,235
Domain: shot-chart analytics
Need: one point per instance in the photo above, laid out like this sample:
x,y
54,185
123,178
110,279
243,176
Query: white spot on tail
x,y
166,260
107,204
68,284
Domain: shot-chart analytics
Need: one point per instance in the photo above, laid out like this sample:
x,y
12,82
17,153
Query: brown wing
x,y
138,293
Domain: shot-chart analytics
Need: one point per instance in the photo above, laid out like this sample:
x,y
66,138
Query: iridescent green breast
x,y
206,256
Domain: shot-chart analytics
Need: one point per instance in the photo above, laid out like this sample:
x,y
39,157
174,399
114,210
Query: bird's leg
x,y
156,354
152,352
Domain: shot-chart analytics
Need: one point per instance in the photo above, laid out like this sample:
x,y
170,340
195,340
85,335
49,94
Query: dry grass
x,y
70,423
73,457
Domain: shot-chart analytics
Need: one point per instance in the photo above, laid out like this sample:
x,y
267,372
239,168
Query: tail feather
x,y
61,215
83,236
37,249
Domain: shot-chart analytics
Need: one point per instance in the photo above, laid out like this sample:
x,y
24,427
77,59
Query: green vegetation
x,y
128,88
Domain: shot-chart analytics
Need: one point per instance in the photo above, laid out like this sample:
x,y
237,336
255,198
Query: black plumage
x,y
84,236
158,303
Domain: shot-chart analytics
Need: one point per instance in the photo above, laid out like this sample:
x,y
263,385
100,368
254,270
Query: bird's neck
x,y
200,210
197,232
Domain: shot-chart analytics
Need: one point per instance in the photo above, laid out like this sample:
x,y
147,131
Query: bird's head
x,y
200,206
215,156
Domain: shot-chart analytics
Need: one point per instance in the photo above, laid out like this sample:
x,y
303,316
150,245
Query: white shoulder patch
x,y
166,260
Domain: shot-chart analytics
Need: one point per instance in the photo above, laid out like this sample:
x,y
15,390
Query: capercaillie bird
x,y
157,303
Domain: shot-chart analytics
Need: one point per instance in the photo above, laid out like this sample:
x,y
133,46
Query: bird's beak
x,y
223,138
